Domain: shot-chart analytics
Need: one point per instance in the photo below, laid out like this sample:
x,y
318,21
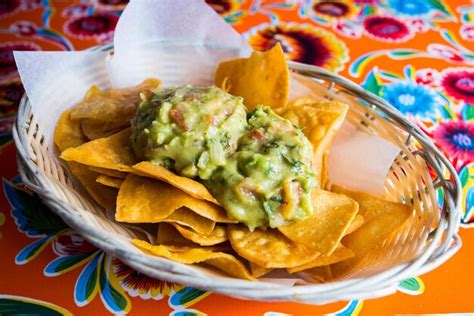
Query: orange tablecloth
x,y
418,54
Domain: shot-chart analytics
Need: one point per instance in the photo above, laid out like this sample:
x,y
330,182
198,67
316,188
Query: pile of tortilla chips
x,y
192,228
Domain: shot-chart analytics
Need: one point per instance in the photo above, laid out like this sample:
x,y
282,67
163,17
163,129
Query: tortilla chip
x,y
95,129
331,106
263,78
301,101
186,217
341,253
188,255
216,236
320,274
113,105
191,187
68,132
103,195
323,173
322,104
168,235
109,181
323,231
144,200
382,218
112,152
355,224
258,271
320,122
268,248
109,172
372,207
105,113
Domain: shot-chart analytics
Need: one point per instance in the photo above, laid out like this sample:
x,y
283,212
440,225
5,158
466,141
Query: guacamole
x,y
257,165
189,130
269,179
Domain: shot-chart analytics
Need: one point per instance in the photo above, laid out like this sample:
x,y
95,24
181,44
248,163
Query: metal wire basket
x,y
425,242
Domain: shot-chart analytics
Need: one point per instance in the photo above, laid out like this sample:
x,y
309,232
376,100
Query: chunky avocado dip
x,y
189,130
257,165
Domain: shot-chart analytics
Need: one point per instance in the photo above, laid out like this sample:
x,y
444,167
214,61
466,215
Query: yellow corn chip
x,y
381,219
113,105
109,172
191,187
112,152
323,231
268,248
324,182
144,200
320,274
319,121
68,132
186,217
258,271
372,207
341,253
301,101
263,78
216,236
102,114
355,224
323,105
223,261
331,106
109,181
95,129
103,195
168,235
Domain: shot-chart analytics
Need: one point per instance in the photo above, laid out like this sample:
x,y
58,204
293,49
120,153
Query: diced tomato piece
x,y
257,134
178,118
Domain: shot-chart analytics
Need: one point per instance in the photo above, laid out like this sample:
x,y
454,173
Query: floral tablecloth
x,y
417,54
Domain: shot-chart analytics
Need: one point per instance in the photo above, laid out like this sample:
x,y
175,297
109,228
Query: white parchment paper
x,y
359,161
54,81
179,42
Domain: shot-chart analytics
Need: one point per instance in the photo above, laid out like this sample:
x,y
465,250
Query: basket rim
x,y
302,293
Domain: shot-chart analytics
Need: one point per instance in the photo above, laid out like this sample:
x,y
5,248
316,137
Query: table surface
x,y
417,54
